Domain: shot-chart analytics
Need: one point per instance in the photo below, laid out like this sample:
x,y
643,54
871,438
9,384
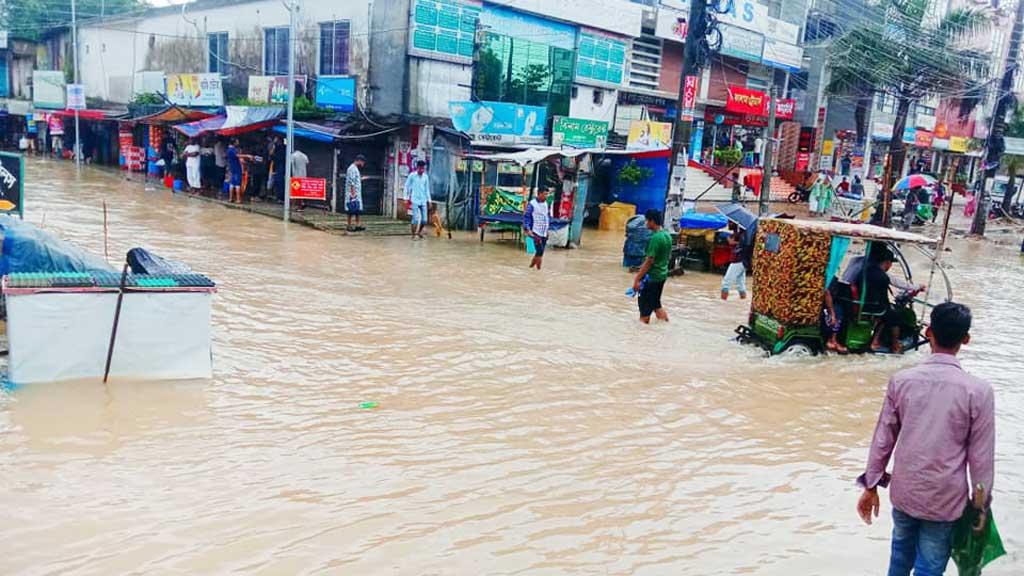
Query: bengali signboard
x,y
746,14
76,97
12,184
782,55
499,122
648,135
923,139
336,93
579,132
957,144
273,89
740,43
195,89
309,189
48,89
746,101
690,94
909,134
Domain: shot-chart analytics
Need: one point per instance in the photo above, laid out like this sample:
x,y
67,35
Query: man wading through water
x,y
535,224
650,280
940,421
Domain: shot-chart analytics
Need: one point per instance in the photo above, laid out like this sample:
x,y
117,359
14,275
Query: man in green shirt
x,y
650,280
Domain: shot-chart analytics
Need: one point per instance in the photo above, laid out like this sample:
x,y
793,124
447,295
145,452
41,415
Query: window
x,y
600,58
524,72
334,47
275,51
598,97
217,46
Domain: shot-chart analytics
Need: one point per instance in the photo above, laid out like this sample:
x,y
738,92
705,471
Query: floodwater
x,y
527,424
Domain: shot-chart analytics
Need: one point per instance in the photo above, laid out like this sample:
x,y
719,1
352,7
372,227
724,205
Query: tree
x,y
1015,129
31,18
903,52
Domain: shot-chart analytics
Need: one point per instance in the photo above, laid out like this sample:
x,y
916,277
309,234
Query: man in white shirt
x,y
354,192
299,163
191,154
417,197
220,160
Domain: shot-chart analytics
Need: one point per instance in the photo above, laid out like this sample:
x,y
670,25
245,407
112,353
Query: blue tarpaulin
x,y
29,249
308,131
235,120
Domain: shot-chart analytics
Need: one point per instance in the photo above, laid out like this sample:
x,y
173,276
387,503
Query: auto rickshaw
x,y
794,262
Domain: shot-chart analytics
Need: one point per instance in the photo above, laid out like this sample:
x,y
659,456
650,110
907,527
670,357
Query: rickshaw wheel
x,y
800,349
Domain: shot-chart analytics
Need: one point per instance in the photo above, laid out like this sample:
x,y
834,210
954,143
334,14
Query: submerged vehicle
x,y
795,261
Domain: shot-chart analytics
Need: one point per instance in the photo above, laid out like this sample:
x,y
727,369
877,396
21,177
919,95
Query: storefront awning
x,y
534,155
92,114
175,115
309,131
235,120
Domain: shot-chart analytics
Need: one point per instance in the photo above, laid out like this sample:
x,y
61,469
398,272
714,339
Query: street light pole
x,y
74,50
290,134
766,168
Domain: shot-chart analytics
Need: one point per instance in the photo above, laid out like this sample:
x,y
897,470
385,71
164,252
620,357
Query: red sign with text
x,y
309,189
785,108
690,93
746,101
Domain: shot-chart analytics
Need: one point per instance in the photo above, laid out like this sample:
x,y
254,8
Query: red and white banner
x,y
755,103
309,189
690,93
785,108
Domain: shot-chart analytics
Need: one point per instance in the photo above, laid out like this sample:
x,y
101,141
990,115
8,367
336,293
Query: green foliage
x,y
728,156
31,18
147,99
634,175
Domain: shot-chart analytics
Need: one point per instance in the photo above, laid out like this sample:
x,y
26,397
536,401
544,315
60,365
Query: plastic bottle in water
x,y
632,293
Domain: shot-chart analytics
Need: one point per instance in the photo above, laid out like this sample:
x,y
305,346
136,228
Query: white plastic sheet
x,y
64,336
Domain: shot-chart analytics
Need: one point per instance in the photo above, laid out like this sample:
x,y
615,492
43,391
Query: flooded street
x,y
527,424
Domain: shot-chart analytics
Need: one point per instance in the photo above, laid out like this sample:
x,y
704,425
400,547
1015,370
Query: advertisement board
x,y
740,43
48,89
443,30
76,97
195,89
745,101
12,184
881,131
746,14
309,189
579,132
909,134
923,139
648,135
600,58
782,55
336,93
690,87
499,122
273,89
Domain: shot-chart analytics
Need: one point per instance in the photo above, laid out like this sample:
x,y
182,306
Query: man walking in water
x,y
535,224
417,197
650,280
940,421
354,192
192,165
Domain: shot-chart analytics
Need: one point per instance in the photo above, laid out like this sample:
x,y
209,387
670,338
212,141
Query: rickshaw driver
x,y
876,300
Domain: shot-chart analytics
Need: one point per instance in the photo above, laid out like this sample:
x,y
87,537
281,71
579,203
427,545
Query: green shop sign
x,y
579,132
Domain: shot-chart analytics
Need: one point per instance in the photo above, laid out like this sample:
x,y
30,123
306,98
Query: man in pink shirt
x,y
940,421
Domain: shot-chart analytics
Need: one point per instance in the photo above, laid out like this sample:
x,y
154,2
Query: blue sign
x,y
518,24
336,93
500,121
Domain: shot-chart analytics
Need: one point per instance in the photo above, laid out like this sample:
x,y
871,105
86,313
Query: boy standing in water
x,y
655,268
535,225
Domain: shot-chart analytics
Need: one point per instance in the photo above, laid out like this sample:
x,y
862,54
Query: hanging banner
x,y
783,55
499,122
76,97
957,144
785,109
647,135
740,43
273,89
12,184
690,94
195,89
923,139
746,101
336,93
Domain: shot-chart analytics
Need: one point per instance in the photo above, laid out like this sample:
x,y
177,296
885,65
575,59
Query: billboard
x,y
443,30
740,43
273,89
579,132
76,96
648,135
500,122
336,93
12,183
48,89
195,89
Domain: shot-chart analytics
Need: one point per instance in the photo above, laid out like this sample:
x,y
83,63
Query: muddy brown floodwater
x,y
526,423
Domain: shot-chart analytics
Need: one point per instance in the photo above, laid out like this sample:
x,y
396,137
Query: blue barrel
x,y
177,185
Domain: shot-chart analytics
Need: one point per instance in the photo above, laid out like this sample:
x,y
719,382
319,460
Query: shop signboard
x,y
740,43
909,134
881,131
940,143
782,55
957,144
273,89
648,135
690,94
499,122
579,132
671,24
195,89
600,58
12,184
76,97
747,14
1014,146
826,148
309,189
785,109
825,162
923,139
925,121
803,161
336,93
745,101
443,30
48,89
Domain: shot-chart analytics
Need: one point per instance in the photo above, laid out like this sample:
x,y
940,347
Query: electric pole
x,y
994,144
290,133
766,168
696,29
74,50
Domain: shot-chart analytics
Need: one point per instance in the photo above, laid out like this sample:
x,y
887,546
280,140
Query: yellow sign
x,y
957,144
7,205
647,135
826,148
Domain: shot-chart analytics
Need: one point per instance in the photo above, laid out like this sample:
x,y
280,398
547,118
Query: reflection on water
x,y
526,422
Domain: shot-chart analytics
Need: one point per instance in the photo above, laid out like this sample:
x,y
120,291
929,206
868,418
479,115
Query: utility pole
x,y
994,145
290,135
74,50
867,143
696,29
766,168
